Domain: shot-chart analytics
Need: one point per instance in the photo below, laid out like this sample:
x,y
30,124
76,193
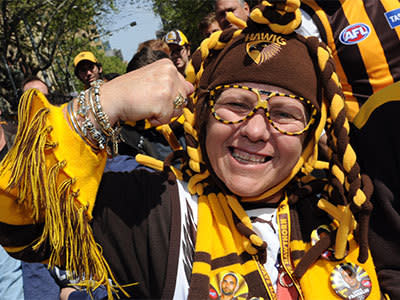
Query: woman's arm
x,y
49,178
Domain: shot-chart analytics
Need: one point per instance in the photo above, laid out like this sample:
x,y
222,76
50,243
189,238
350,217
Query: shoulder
x,y
135,193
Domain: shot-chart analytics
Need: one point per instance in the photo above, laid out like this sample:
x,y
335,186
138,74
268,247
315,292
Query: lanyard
x,y
283,219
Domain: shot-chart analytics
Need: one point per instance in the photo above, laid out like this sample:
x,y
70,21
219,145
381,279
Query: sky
x,y
128,38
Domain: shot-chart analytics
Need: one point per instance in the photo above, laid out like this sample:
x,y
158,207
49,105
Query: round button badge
x,y
228,285
350,281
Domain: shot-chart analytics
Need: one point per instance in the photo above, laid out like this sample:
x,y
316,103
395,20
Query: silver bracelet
x,y
88,129
77,126
89,102
113,134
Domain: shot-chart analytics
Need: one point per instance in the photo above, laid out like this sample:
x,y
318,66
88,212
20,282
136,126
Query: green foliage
x,y
40,36
111,64
184,15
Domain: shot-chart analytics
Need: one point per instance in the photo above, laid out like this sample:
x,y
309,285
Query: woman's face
x,y
251,157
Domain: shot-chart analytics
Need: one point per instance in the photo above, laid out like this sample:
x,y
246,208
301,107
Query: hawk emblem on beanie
x,y
262,50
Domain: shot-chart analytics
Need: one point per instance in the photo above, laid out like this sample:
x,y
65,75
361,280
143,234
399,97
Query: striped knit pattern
x,y
344,185
363,71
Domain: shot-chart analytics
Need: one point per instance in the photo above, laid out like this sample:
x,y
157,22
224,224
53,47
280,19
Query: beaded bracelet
x,y
89,102
75,124
87,127
113,134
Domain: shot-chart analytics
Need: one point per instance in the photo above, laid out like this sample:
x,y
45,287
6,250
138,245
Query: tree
x,y
34,34
184,15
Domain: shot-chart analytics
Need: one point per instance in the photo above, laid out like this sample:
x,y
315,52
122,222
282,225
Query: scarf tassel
x,y
67,230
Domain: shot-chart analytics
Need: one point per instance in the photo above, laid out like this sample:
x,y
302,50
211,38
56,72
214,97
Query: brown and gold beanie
x,y
267,50
260,55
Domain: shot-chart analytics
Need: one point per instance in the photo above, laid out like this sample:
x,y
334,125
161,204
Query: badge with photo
x,y
228,285
350,281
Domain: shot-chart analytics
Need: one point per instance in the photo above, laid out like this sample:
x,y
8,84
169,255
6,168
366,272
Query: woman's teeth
x,y
246,157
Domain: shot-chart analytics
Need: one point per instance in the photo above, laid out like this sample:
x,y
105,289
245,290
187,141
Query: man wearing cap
x,y
87,68
180,49
239,8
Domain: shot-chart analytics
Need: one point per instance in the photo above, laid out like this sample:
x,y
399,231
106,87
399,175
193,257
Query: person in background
x,y
87,68
35,82
364,36
155,44
179,47
140,140
18,279
11,281
245,200
146,55
31,82
208,25
239,8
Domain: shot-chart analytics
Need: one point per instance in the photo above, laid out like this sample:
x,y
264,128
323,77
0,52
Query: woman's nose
x,y
257,127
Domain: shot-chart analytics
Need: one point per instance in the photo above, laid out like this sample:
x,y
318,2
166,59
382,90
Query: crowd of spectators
x,y
368,68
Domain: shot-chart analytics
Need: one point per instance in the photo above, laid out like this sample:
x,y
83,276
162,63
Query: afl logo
x,y
354,34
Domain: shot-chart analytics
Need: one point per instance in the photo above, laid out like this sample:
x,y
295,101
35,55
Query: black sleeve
x,y
377,145
132,221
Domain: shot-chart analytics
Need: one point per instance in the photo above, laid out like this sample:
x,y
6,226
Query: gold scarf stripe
x,y
189,118
330,110
19,158
335,78
204,263
265,15
348,161
235,20
338,173
337,106
170,136
207,203
323,57
150,162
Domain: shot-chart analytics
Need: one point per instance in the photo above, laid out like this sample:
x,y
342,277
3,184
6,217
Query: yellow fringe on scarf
x,y
55,189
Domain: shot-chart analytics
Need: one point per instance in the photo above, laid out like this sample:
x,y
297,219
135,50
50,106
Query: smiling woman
x,y
248,145
242,218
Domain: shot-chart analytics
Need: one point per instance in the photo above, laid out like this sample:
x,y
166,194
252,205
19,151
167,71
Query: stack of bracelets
x,y
89,101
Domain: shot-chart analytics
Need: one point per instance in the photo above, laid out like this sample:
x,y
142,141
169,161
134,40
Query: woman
x,y
245,202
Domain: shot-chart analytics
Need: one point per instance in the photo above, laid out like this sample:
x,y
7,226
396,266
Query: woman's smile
x,y
251,157
248,158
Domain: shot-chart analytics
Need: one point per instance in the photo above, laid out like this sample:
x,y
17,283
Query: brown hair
x,y
155,44
207,21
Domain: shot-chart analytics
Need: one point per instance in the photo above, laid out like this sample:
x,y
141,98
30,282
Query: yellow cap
x,y
176,37
85,55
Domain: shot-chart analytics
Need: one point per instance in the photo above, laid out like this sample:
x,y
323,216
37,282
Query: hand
x,y
146,93
65,292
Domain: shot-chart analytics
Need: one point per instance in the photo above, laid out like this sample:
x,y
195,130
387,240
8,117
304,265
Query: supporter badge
x,y
350,281
228,285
